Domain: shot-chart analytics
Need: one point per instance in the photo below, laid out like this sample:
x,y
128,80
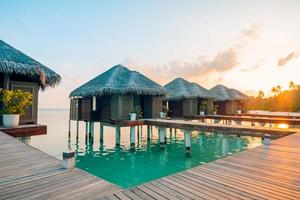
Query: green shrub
x,y
15,101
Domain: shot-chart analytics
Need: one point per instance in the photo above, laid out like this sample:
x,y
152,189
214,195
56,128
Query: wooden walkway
x,y
265,172
27,173
232,129
278,120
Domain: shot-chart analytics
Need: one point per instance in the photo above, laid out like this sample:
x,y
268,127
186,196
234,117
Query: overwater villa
x,y
114,94
19,71
229,101
186,98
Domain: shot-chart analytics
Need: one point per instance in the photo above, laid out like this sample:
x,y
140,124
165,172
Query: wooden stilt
x,y
187,141
149,132
132,135
118,133
225,145
101,132
77,129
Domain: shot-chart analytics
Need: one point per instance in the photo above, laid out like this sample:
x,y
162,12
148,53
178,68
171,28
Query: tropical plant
x,y
215,108
274,91
292,85
203,106
138,110
15,101
165,110
278,87
261,94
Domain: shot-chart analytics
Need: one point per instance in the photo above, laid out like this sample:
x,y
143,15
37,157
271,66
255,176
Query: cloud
x,y
253,31
201,67
254,67
284,60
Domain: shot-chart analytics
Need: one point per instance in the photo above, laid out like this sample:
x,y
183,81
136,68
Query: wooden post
x,y
252,123
69,132
132,135
118,133
68,160
225,145
101,132
187,141
161,132
201,138
149,132
239,142
86,128
267,139
91,132
77,128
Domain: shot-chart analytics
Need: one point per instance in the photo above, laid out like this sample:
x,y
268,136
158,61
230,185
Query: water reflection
x,y
126,166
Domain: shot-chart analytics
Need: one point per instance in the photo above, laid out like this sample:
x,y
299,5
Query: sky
x,y
247,45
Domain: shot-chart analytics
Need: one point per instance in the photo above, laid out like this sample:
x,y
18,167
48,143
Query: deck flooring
x,y
273,120
232,129
264,172
27,173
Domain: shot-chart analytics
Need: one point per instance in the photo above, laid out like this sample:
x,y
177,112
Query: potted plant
x,y
202,108
239,111
163,114
215,109
136,114
14,103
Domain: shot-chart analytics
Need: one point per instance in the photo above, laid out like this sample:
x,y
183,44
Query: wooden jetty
x,y
273,120
271,115
27,173
232,129
264,172
25,130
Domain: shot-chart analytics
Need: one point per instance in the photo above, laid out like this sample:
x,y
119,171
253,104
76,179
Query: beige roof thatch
x,y
14,61
223,93
182,89
119,80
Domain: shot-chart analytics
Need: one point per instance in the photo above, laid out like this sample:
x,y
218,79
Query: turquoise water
x,y
128,166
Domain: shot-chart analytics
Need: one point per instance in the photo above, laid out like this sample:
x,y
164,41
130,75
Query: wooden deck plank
x,y
264,172
27,173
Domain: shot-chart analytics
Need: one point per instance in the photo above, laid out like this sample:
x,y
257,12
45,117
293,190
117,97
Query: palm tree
x,y
292,85
274,90
261,94
278,89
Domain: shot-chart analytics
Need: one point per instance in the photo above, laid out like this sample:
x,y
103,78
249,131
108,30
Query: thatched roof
x,y
13,61
223,93
119,80
182,89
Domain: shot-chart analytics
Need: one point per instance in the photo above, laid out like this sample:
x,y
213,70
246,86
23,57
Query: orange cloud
x,y
283,61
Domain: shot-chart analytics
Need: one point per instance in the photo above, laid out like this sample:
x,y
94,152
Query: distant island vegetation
x,y
281,100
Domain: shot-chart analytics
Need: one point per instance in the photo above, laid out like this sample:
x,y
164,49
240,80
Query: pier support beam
x,y
101,132
187,141
149,132
162,137
267,139
91,132
77,129
201,138
132,135
225,145
118,133
86,127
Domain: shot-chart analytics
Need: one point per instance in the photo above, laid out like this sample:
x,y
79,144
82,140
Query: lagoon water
x,y
126,166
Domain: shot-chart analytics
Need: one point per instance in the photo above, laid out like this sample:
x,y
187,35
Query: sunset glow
x,y
250,45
